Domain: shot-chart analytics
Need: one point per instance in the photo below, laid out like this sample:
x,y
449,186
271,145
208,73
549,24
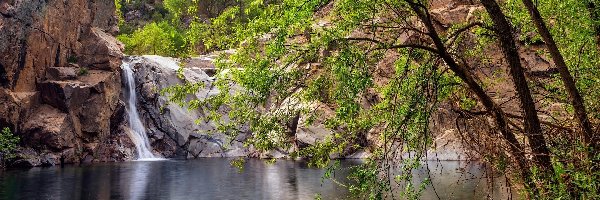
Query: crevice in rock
x,y
21,63
3,77
158,124
6,15
57,58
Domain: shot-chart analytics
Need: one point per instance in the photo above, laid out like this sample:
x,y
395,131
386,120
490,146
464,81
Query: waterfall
x,y
138,131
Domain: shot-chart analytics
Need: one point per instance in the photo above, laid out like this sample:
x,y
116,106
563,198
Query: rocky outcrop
x,y
60,81
174,130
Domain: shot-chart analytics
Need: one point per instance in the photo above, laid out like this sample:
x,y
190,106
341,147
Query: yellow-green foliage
x,y
155,38
180,8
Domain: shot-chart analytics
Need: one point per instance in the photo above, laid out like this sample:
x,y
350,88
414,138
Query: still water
x,y
217,179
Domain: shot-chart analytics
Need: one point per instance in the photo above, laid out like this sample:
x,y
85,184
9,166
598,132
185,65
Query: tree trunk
x,y
574,96
465,75
533,128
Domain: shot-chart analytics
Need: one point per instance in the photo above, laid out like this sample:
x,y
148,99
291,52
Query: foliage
x,y
83,71
176,27
239,164
296,58
573,29
155,38
180,8
72,59
276,49
8,144
119,12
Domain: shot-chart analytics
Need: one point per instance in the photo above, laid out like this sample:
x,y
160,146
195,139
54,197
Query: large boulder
x,y
101,50
175,131
50,128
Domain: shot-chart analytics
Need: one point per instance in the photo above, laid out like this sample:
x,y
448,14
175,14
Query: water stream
x,y
138,131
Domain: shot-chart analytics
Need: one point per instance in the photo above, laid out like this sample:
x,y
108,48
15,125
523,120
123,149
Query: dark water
x,y
215,179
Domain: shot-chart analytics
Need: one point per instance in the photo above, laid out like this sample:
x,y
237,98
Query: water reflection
x,y
213,179
139,181
462,180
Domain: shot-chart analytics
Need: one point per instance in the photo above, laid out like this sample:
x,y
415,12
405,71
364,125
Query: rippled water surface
x,y
216,179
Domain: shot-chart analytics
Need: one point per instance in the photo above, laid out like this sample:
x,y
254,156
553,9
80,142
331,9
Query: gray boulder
x,y
175,131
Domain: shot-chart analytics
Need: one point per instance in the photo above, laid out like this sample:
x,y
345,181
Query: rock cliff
x,y
60,81
172,129
175,132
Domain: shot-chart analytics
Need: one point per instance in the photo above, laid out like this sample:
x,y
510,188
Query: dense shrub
x,y
155,38
8,145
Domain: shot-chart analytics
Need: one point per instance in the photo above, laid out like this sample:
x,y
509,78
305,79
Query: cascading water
x,y
138,132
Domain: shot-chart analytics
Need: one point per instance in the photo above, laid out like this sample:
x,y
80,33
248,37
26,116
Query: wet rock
x,y
204,147
49,160
360,154
24,163
26,158
173,129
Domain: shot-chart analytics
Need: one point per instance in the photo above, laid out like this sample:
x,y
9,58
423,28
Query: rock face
x,y
60,81
173,130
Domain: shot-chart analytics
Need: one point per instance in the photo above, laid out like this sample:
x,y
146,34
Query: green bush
x,y
155,38
83,71
8,144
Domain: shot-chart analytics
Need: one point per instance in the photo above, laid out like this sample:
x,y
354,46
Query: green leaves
x,y
572,26
8,144
181,8
157,39
289,62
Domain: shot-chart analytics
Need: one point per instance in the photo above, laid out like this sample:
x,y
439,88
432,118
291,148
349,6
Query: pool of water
x,y
217,179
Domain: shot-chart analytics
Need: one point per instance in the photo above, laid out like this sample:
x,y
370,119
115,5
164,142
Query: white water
x,y
138,132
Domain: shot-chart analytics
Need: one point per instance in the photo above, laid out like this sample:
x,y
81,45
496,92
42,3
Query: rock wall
x,y
172,129
60,80
174,133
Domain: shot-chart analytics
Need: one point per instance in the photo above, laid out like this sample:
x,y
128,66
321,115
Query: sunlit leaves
x,y
289,62
155,38
180,8
573,29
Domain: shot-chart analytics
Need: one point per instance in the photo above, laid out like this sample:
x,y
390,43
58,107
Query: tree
x,y
157,39
587,135
511,54
290,54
